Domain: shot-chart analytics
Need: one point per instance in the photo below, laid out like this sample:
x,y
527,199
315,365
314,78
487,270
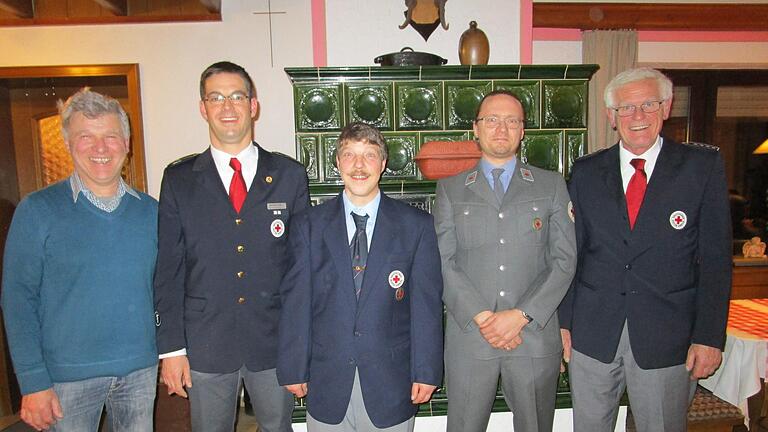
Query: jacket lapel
x,y
610,170
480,186
262,182
208,178
652,210
383,234
335,237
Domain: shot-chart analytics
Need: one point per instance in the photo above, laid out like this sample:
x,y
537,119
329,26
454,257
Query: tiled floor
x,y
246,423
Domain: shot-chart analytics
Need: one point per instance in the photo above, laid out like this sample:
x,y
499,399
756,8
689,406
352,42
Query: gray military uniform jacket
x,y
520,254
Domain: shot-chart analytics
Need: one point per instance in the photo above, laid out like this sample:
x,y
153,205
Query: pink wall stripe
x,y
319,44
561,34
526,31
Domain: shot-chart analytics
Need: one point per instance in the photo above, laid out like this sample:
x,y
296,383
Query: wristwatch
x,y
526,316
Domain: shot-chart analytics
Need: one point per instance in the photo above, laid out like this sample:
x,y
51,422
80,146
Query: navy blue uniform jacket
x,y
218,272
670,285
326,332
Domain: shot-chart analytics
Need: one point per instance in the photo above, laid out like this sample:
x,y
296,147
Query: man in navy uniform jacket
x,y
362,337
648,307
222,252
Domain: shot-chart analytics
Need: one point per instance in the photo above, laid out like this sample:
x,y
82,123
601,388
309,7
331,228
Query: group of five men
x,y
343,302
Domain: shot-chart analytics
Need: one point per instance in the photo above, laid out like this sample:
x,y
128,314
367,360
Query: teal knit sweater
x,y
77,288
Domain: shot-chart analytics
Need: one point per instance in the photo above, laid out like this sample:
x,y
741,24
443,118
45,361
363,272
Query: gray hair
x,y
358,131
634,75
92,105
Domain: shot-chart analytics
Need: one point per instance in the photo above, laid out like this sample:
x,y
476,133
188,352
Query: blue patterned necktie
x,y
359,250
498,186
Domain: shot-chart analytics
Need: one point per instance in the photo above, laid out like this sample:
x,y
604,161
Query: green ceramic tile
x,y
402,147
318,107
461,101
528,92
330,171
565,104
438,73
543,149
370,103
444,136
419,105
575,147
308,150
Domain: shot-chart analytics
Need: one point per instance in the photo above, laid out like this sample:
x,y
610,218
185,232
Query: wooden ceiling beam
x,y
117,7
652,16
212,6
20,8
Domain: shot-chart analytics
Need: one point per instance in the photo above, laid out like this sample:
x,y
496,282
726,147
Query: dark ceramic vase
x,y
473,46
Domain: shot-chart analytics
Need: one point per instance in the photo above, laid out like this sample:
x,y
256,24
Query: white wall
x,y
360,31
171,57
688,54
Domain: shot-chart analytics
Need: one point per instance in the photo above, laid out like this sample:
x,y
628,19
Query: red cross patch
x,y
277,228
396,279
678,219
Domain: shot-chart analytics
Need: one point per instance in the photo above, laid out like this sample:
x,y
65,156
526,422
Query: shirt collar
x,y
509,168
650,155
77,186
249,156
371,209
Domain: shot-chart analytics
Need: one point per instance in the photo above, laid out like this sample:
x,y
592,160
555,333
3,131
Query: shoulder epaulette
x,y
182,159
589,155
289,157
702,146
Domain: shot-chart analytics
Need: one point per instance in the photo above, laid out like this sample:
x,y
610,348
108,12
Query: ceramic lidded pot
x,y
473,46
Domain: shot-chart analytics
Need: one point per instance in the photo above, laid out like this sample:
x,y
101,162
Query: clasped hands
x,y
502,330
420,393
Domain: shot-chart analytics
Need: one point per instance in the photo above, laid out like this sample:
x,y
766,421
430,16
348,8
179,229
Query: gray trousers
x,y
356,419
529,386
213,400
659,397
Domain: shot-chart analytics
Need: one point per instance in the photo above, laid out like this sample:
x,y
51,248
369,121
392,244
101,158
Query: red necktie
x,y
636,190
237,191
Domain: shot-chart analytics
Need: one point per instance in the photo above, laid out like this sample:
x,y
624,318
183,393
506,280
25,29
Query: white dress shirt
x,y
650,156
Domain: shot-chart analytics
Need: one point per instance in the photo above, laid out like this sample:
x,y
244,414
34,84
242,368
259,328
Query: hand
x,y
41,409
298,390
482,316
176,375
421,393
565,335
702,360
502,329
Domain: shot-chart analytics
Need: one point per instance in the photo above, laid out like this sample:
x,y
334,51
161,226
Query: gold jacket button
x,y
240,274
240,248
238,221
241,300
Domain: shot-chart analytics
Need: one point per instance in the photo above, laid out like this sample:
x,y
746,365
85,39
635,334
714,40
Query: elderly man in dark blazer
x,y
222,253
647,309
361,327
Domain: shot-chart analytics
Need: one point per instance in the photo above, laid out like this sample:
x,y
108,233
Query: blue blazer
x,y
671,285
218,272
326,332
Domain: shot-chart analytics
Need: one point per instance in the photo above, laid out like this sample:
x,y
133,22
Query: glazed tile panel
x,y
414,105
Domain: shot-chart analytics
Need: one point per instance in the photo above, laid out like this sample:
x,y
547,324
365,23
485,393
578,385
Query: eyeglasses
x,y
646,107
493,122
236,98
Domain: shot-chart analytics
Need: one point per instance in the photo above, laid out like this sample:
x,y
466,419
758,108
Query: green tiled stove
x,y
412,105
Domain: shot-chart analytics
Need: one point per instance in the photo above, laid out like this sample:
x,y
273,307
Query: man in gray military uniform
x,y
508,248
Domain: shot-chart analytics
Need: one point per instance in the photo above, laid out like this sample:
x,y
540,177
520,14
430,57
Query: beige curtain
x,y
615,51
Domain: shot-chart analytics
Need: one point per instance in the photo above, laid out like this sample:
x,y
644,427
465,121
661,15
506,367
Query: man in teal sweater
x,y
77,286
